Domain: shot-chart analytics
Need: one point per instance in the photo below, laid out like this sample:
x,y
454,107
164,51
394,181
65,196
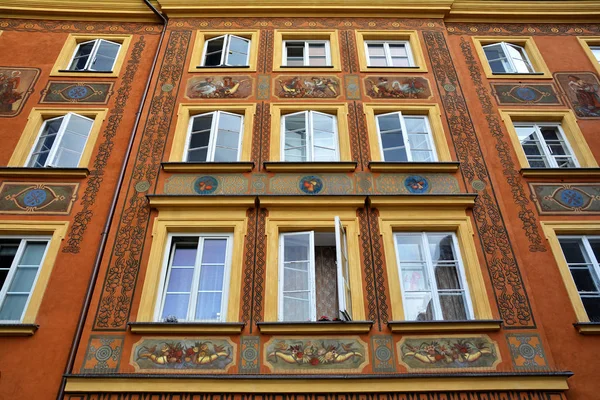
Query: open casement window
x,y
432,277
313,267
309,136
389,53
226,50
507,58
307,53
215,136
582,254
545,145
196,279
405,138
95,55
20,261
61,141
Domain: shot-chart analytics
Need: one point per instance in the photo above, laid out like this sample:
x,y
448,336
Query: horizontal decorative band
x,y
208,167
321,327
23,172
424,200
341,166
445,326
377,166
560,173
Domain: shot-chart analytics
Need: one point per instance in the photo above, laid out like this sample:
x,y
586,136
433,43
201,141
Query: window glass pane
x,y
389,122
595,245
410,248
295,138
441,247
400,62
296,247
325,155
377,61
584,279
517,53
447,277
596,52
414,277
45,142
316,49
237,59
185,254
592,307
73,141
453,307
398,50
323,122
573,251
176,305
199,139
392,140
81,57
324,139
296,307
13,306
3,275
197,155
497,59
23,279
295,53
239,45
202,123
225,155
295,276
180,279
418,307
33,253
211,277
214,251
376,49
208,306
105,56
415,124
214,50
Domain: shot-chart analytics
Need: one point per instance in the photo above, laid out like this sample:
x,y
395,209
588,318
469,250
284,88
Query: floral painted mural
x,y
465,352
16,84
183,354
312,355
219,87
314,87
398,87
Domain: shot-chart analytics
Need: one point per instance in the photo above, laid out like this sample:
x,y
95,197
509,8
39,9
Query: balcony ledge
x,y
560,173
381,166
354,383
201,328
588,328
18,329
308,167
319,327
444,326
24,172
208,167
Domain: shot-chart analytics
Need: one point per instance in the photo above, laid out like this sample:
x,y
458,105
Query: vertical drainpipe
x,y
104,235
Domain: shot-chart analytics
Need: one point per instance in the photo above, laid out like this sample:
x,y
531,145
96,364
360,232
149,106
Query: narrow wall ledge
x,y
358,383
24,172
200,328
208,167
560,173
308,167
317,327
445,326
588,328
381,166
18,329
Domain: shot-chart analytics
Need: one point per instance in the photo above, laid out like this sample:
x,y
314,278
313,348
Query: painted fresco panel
x,y
397,87
567,199
219,87
316,354
16,84
512,93
306,87
179,355
77,92
449,352
37,198
583,91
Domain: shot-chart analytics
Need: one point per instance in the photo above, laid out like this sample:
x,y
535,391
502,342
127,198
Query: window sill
x,y
559,173
394,69
18,329
208,167
162,201
283,166
533,75
24,172
307,68
382,166
444,326
322,327
223,69
213,328
588,328
87,74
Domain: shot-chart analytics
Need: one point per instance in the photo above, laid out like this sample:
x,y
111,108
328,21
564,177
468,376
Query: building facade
x,y
393,200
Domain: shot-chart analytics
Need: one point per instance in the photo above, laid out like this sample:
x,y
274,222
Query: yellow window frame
x,y
57,231
586,42
446,214
291,34
198,216
411,36
36,119
198,48
527,42
289,215
340,110
187,111
569,125
433,113
68,49
552,229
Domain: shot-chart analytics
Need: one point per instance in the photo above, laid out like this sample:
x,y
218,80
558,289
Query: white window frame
x,y
225,51
168,258
93,54
437,308
13,269
409,155
212,141
306,60
596,52
590,255
50,160
545,149
388,54
310,151
342,273
509,58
